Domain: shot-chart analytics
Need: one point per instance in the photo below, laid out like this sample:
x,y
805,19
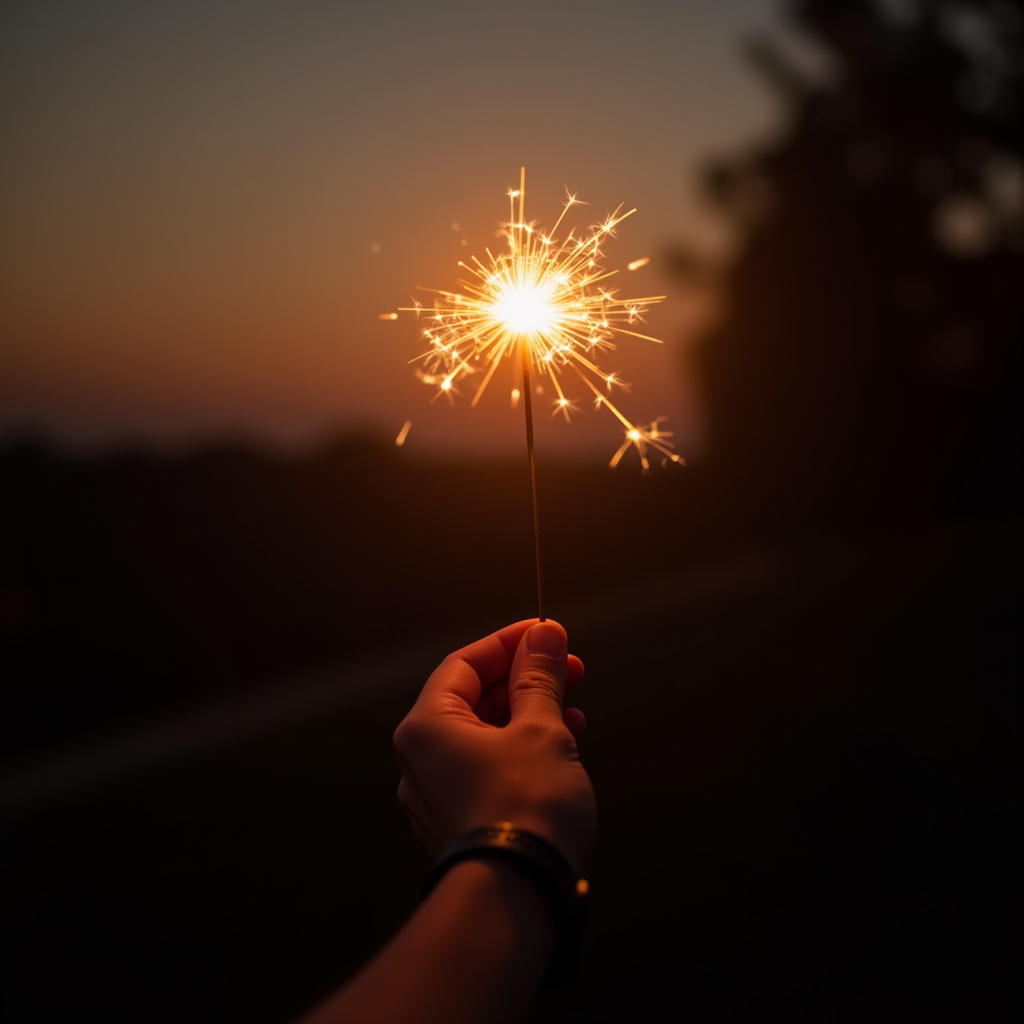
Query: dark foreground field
x,y
806,745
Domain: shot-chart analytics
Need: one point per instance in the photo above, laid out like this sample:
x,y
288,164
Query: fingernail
x,y
546,639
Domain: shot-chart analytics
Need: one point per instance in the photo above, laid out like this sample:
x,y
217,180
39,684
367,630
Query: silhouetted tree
x,y
870,361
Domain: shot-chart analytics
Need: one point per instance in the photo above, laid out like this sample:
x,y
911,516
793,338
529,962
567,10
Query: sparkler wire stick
x,y
528,404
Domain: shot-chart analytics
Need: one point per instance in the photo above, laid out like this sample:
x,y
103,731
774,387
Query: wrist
x,y
475,950
488,882
539,865
547,828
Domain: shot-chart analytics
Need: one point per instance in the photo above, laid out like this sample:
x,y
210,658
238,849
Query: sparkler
x,y
547,303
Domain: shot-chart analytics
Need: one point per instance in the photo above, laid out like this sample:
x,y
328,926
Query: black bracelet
x,y
544,864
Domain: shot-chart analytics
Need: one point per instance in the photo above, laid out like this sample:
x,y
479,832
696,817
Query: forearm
x,y
474,952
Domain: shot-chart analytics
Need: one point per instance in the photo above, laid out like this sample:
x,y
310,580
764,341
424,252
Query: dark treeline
x,y
870,365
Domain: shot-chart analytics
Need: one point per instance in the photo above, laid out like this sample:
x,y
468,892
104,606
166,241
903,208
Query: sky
x,y
204,207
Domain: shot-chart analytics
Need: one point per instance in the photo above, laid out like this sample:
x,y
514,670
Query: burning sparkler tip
x,y
545,301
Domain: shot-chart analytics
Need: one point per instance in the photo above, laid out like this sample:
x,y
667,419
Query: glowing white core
x,y
524,308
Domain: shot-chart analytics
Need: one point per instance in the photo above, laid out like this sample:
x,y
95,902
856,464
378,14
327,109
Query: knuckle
x,y
543,732
449,662
538,680
410,736
570,748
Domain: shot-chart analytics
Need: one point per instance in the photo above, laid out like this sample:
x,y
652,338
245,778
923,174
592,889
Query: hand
x,y
487,741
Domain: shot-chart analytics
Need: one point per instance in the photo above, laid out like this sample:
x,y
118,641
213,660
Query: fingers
x,y
477,675
464,673
575,721
573,672
493,705
536,685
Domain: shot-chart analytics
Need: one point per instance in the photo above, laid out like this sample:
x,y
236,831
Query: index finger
x,y
465,672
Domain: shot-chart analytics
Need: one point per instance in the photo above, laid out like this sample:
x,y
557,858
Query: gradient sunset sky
x,y
205,206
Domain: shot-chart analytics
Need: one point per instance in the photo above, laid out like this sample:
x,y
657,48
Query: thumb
x,y
536,683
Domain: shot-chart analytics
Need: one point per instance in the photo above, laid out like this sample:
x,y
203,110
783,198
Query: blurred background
x,y
222,584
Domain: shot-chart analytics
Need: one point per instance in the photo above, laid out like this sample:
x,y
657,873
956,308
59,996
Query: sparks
x,y
547,302
641,437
